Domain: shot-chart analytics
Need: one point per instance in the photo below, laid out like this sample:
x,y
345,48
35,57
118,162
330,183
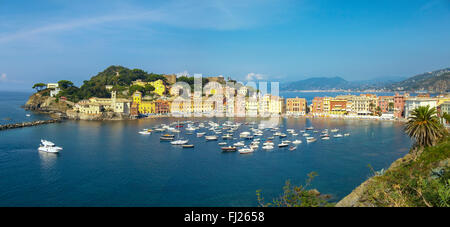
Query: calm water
x,y
110,164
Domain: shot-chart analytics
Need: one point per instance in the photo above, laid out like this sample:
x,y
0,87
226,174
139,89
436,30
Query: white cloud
x,y
254,76
210,15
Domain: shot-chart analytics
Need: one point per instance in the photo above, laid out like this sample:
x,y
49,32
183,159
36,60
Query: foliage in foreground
x,y
422,181
297,196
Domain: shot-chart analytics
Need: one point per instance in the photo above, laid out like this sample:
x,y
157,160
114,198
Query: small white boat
x,y
245,150
283,145
209,138
222,143
179,142
239,144
326,138
334,130
306,134
200,134
146,132
310,139
338,135
28,115
347,134
297,142
292,148
267,147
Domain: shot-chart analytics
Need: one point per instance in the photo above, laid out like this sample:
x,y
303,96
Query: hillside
x,y
317,83
412,181
437,81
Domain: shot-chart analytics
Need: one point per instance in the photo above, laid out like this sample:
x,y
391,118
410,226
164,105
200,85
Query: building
x,y
52,85
296,106
386,103
159,86
399,105
54,92
171,79
445,108
251,106
162,107
317,105
364,104
144,106
412,103
277,105
338,106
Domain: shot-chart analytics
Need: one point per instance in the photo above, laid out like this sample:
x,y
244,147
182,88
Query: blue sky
x,y
50,40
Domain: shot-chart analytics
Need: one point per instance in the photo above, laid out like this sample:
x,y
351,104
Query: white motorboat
x,y
347,134
245,150
326,138
338,135
179,142
47,146
200,134
145,132
239,144
334,130
210,138
222,143
267,147
283,145
310,139
28,115
306,134
297,142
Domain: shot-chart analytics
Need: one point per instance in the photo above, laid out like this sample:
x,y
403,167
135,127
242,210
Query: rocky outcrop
x,y
39,102
28,124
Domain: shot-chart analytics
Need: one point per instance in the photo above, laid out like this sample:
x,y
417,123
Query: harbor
x,y
134,169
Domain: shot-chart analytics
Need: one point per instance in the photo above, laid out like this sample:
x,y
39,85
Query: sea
x,y
108,163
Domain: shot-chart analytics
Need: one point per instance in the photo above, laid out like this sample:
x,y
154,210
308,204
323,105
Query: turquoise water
x,y
110,164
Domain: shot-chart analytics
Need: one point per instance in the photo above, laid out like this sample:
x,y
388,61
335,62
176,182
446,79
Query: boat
x,y
179,142
297,142
310,128
164,138
228,149
283,145
28,115
227,136
245,150
325,137
188,145
49,147
292,148
267,147
146,132
222,143
210,138
282,135
286,141
239,144
200,134
338,135
334,130
347,134
310,139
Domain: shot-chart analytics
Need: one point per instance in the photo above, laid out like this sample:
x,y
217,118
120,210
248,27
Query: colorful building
x,y
338,106
386,103
399,105
144,106
296,106
159,86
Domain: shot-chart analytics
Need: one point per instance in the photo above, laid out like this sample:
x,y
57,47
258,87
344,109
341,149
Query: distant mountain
x,y
338,83
436,81
317,83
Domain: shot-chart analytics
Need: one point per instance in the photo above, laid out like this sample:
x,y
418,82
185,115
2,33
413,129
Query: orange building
x,y
317,105
296,106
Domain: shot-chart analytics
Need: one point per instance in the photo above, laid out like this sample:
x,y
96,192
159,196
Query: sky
x,y
283,40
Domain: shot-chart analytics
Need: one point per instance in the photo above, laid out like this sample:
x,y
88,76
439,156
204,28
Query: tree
x,y
39,86
148,88
297,196
424,126
64,84
134,88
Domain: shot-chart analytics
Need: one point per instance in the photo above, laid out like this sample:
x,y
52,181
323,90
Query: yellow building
x,y
144,106
159,86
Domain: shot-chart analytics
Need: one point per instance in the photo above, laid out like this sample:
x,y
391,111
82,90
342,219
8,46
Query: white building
x,y
414,102
54,92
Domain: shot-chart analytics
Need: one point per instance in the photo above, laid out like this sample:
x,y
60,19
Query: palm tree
x,y
446,117
424,126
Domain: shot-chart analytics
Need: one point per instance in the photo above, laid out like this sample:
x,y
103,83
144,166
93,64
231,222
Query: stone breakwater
x,y
28,124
